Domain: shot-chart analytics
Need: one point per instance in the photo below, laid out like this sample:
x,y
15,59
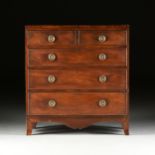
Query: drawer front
x,y
50,38
62,57
77,103
78,79
103,37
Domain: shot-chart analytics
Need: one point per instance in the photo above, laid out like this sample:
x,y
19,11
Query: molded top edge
x,y
76,27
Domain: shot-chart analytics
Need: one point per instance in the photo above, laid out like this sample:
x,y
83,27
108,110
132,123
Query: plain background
x,y
140,15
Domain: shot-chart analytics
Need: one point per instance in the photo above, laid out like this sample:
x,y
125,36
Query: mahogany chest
x,y
77,75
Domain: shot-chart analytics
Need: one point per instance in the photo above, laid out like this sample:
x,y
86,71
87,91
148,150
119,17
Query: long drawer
x,y
65,57
61,103
83,78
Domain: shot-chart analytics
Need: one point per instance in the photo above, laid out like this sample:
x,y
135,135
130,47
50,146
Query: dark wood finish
x,y
77,57
77,90
78,122
77,103
113,37
40,38
76,27
78,79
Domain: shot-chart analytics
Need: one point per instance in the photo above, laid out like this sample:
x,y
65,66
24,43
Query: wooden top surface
x,y
76,27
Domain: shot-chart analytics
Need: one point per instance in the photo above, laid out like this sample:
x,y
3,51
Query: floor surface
x,y
56,139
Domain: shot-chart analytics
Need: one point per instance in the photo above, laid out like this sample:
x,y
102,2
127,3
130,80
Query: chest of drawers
x,y
77,75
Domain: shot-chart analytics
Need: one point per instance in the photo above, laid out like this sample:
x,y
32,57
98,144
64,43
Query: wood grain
x,y
40,38
113,37
77,103
77,68
76,27
66,57
78,79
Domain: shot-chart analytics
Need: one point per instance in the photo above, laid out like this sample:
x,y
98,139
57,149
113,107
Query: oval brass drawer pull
x,y
52,103
102,56
51,38
102,38
102,103
51,57
51,79
102,78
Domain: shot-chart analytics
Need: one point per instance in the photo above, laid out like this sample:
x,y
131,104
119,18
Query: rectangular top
x,y
76,27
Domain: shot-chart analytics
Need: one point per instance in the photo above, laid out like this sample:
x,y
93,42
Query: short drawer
x,y
103,38
84,78
63,57
77,103
50,38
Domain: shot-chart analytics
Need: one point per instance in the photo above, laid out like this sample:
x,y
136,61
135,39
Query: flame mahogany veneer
x,y
77,75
